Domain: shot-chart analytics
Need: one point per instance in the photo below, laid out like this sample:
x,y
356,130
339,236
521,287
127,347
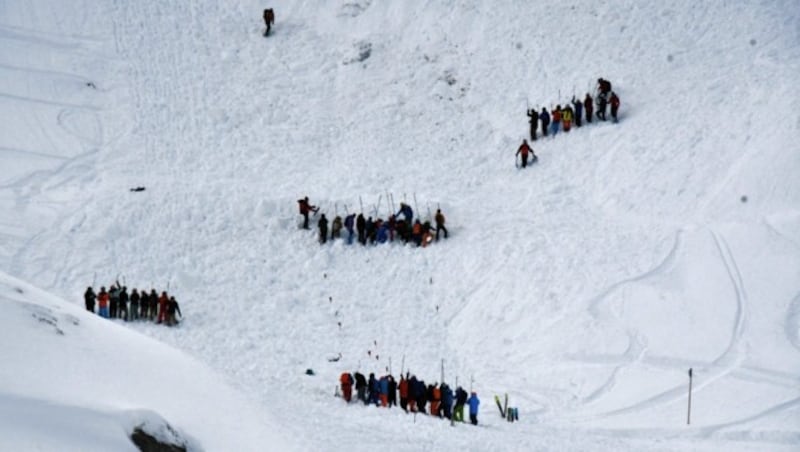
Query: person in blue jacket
x,y
383,388
447,400
383,233
544,116
406,211
473,408
349,222
578,110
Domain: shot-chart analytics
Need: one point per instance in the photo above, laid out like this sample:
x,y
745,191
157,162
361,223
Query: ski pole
x,y
361,203
689,408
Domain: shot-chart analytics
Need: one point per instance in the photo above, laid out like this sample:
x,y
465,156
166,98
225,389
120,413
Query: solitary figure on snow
x,y
269,19
524,149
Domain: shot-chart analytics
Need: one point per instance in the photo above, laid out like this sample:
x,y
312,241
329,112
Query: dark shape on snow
x,y
335,359
309,371
148,443
138,189
269,19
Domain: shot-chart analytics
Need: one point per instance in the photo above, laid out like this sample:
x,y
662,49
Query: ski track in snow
x,y
226,129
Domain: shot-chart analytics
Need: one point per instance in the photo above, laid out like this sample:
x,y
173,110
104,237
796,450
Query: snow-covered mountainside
x,y
585,286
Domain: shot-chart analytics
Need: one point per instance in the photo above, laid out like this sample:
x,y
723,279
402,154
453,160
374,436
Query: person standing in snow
x,y
436,400
566,118
323,229
473,408
374,389
114,300
544,116
439,217
123,304
336,227
555,116
361,387
346,381
172,309
135,297
392,391
383,391
102,303
524,150
402,388
578,111
361,227
461,400
349,224
534,122
269,19
614,101
88,299
305,208
588,105
153,304
163,303
447,401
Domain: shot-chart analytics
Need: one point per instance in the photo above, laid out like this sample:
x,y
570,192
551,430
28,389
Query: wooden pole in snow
x,y
689,408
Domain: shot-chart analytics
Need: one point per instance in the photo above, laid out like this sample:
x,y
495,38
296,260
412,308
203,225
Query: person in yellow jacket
x,y
566,118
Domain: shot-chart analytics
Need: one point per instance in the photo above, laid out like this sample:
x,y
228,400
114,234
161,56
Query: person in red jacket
x,y
163,303
524,150
305,208
614,102
346,381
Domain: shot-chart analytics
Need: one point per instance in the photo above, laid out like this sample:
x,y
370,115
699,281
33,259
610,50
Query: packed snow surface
x,y
585,286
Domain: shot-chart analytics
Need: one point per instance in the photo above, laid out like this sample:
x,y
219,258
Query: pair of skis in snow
x,y
510,414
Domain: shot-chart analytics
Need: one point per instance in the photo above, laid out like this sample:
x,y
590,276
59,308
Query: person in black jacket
x,y
534,122
172,308
392,391
544,116
461,400
134,314
123,303
88,297
323,229
361,227
361,387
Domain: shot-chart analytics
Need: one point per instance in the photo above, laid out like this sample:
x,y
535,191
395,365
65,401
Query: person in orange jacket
x,y
436,400
555,117
416,232
102,303
163,302
403,388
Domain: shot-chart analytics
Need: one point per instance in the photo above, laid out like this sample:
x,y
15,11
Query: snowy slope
x,y
72,381
585,287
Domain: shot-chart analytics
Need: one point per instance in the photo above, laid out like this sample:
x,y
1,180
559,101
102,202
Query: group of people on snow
x,y
562,118
574,111
437,400
117,303
402,225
